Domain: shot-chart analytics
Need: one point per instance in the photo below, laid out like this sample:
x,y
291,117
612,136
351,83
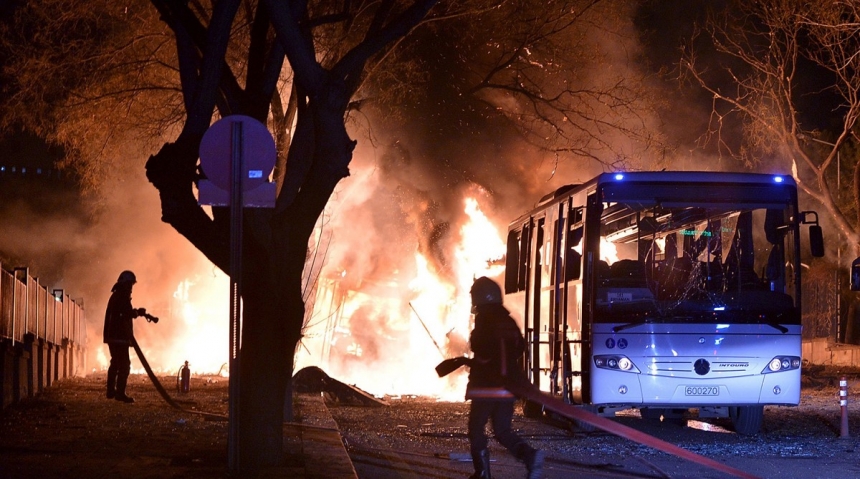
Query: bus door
x,y
590,279
539,344
522,256
565,349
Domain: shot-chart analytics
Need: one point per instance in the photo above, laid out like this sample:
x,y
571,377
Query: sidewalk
x,y
314,444
72,431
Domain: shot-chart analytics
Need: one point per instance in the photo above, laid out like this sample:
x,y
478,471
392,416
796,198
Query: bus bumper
x,y
631,389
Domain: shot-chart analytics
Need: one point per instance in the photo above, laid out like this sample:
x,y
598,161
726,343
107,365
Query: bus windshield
x,y
700,262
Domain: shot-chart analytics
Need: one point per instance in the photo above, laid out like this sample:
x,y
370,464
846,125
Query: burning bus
x,y
664,291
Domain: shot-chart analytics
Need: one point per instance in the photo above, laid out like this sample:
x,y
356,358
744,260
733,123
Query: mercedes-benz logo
x,y
702,367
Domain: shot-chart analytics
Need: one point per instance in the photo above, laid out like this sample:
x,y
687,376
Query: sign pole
x,y
236,206
235,181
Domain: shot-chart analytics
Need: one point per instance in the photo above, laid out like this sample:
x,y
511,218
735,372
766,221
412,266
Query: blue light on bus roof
x,y
619,176
720,308
778,179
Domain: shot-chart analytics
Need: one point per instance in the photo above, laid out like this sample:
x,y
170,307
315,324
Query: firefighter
x,y
119,334
497,347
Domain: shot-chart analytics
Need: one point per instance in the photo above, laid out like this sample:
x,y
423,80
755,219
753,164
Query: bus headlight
x,y
616,362
782,363
775,364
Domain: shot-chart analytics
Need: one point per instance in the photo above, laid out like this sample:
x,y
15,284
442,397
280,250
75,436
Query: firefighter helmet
x,y
485,291
127,277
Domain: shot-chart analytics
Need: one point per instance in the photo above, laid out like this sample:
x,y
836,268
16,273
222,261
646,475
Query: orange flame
x,y
385,336
429,320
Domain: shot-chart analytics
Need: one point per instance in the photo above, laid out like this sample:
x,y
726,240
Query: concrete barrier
x,y
20,387
30,345
823,351
41,365
7,373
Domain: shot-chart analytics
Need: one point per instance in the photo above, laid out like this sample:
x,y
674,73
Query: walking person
x,y
497,345
119,334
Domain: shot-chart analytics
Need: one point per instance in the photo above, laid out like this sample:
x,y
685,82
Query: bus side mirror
x,y
816,237
855,275
816,241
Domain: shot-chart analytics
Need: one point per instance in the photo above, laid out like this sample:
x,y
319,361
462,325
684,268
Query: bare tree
x,y
776,58
161,71
319,154
230,56
532,73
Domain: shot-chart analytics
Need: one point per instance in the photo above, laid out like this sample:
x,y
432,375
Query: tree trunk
x,y
265,369
274,241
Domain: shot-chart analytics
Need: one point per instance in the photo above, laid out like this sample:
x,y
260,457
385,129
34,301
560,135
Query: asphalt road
x,y
422,438
73,431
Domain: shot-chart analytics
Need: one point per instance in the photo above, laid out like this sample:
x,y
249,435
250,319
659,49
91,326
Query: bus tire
x,y
532,410
747,420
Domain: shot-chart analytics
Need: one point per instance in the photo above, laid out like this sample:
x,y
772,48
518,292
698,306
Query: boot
x,y
481,461
121,382
534,462
111,382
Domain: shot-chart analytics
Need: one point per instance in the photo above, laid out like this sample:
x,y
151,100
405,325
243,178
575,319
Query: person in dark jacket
x,y
119,334
497,345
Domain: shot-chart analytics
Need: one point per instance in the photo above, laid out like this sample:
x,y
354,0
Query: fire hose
x,y
525,390
163,392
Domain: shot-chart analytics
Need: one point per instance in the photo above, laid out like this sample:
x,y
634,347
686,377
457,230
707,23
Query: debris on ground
x,y
314,380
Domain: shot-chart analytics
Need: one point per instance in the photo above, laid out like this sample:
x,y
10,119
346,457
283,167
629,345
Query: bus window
x,y
516,259
513,265
540,266
740,257
574,253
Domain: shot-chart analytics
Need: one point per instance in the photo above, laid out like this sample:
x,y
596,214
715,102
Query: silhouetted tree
x,y
98,76
778,64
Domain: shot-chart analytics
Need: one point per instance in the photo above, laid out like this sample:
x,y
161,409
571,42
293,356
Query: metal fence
x,y
29,308
823,313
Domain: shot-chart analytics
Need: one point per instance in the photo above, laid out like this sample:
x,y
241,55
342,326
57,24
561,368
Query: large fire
x,y
386,338
193,327
385,335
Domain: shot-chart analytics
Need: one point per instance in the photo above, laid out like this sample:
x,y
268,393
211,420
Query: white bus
x,y
664,291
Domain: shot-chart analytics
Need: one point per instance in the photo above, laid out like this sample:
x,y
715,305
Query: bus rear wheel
x,y
747,420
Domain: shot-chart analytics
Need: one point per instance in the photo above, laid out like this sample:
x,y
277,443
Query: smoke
x,y
399,219
81,244
394,223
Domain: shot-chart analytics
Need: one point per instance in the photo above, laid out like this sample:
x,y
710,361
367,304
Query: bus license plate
x,y
702,390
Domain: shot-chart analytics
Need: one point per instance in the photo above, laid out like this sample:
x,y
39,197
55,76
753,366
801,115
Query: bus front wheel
x,y
747,420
